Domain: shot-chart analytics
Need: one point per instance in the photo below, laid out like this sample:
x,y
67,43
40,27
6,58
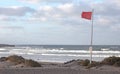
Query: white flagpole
x,y
91,45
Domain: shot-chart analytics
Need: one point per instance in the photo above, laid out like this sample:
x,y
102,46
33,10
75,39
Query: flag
x,y
87,15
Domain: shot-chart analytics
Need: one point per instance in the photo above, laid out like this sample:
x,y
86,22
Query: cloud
x,y
115,28
30,1
107,14
6,18
61,20
68,12
12,27
62,14
47,1
15,11
66,7
58,11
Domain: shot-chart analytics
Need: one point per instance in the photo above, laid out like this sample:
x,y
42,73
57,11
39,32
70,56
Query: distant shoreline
x,y
6,45
11,45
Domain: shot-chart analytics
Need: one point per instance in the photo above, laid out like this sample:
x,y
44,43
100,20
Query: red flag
x,y
87,15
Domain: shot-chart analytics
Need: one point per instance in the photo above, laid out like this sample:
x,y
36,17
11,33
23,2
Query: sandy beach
x,y
56,68
54,71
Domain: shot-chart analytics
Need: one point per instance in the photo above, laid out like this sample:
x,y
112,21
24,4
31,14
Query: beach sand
x,y
54,71
56,68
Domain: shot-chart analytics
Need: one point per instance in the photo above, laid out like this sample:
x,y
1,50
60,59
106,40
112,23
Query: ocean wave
x,y
1,49
87,55
62,52
68,51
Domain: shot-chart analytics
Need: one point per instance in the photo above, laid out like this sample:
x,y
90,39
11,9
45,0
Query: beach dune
x,y
12,66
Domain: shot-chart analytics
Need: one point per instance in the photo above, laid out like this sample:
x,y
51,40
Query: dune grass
x,y
32,63
113,61
20,60
15,59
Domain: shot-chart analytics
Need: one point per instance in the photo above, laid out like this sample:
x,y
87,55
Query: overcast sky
x,y
59,22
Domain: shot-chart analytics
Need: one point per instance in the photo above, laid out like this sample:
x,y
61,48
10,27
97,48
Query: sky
x,y
59,22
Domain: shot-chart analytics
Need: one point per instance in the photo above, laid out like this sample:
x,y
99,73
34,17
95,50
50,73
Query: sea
x,y
61,53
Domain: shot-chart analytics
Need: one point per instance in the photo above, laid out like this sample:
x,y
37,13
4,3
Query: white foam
x,y
2,49
60,52
74,51
74,55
